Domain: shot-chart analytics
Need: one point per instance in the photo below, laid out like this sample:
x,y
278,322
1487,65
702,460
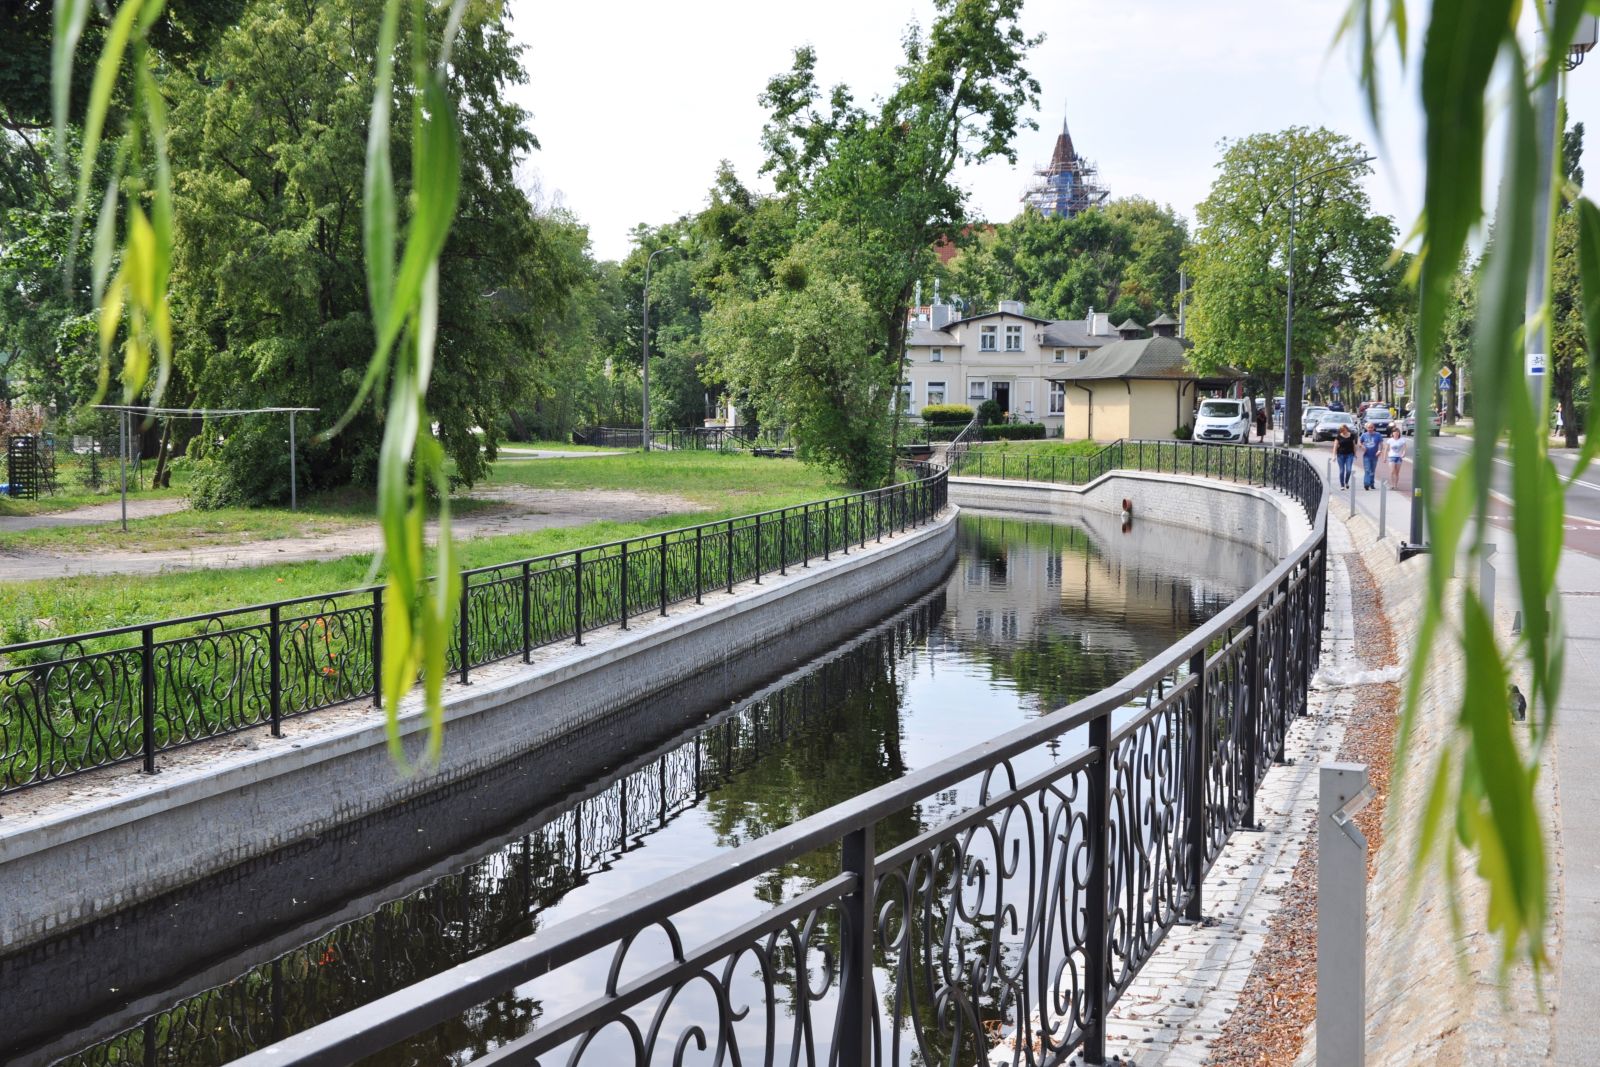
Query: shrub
x,y
939,414
1184,432
989,411
1014,431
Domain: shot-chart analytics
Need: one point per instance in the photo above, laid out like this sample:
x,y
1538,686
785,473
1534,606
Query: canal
x,y
1032,616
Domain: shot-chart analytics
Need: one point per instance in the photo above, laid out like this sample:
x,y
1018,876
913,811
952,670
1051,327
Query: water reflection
x,y
1034,615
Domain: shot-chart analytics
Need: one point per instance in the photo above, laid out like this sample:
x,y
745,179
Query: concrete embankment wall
x,y
83,848
1258,518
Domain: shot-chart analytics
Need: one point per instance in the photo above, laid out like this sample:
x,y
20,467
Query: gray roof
x,y
1144,357
929,338
1074,333
1129,324
1165,320
997,314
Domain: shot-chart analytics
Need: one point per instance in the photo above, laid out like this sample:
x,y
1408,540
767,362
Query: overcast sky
x,y
635,101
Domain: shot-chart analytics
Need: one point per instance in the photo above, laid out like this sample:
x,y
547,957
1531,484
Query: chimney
x,y
1165,326
1011,307
1088,324
941,316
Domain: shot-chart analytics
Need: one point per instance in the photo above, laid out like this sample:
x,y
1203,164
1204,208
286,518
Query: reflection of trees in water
x,y
832,733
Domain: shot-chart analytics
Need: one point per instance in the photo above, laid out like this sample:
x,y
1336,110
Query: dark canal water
x,y
1033,615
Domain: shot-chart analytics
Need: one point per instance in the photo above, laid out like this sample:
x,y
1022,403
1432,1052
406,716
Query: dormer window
x,y
1083,354
987,338
1061,355
936,355
1013,338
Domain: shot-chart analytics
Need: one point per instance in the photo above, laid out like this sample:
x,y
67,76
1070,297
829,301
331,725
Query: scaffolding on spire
x,y
1068,184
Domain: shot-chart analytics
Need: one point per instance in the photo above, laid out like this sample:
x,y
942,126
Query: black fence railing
x,y
691,438
1007,930
83,701
1245,464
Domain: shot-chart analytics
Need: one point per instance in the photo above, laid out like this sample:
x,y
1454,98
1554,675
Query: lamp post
x,y
1289,401
644,337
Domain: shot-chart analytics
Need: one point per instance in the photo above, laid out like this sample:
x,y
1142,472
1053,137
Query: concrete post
x,y
1341,917
1486,580
1383,510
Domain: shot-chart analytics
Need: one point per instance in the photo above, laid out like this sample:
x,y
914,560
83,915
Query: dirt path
x,y
522,510
139,507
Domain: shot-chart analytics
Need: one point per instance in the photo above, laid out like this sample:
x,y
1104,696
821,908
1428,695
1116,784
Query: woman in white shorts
x,y
1397,454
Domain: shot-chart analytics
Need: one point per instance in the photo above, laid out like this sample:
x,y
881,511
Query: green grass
x,y
722,485
72,477
1041,448
554,446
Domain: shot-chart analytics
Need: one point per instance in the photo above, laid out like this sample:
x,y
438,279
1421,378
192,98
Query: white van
x,y
1222,420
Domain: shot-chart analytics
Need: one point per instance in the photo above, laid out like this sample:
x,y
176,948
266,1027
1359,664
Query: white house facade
x,y
1006,356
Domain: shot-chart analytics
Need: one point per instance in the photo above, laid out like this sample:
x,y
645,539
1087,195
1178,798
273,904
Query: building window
x,y
1083,354
1061,355
1013,338
986,338
978,390
1058,398
1008,624
936,392
985,621
905,397
936,355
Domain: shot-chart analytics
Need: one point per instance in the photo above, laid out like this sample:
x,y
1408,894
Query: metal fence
x,y
1248,464
75,703
1004,933
691,438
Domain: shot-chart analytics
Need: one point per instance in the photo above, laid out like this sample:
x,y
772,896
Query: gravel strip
x,y
1279,1000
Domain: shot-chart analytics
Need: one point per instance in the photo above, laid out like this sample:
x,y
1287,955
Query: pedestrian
x,y
1344,453
1261,424
1397,455
1370,441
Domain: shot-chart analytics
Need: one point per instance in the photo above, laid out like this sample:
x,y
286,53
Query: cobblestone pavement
x,y
1180,1000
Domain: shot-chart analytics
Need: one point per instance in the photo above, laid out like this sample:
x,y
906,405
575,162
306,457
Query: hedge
x,y
942,413
1014,431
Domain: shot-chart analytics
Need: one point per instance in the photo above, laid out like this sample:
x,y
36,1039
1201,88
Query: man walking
x,y
1371,441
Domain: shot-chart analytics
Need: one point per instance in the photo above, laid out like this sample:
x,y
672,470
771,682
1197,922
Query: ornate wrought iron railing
x,y
1003,934
83,701
1245,464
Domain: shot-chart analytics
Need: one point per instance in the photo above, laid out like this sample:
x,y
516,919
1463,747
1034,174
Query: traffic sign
x,y
1444,373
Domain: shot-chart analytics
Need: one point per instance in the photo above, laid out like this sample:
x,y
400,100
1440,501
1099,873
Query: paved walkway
x,y
139,507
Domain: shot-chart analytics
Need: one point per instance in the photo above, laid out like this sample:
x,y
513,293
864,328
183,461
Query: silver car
x,y
1328,425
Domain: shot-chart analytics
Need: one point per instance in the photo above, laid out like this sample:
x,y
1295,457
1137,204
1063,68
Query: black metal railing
x,y
688,438
1243,464
83,701
1007,930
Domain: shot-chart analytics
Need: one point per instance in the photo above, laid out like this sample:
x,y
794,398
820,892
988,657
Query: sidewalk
x,y
1575,756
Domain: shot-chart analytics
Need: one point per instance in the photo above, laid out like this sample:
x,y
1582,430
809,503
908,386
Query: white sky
x,y
635,101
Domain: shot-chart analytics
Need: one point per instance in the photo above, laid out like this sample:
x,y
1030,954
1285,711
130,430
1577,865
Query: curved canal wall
x,y
80,849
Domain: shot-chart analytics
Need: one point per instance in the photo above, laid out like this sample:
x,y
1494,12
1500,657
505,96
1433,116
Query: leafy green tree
x,y
268,145
1238,261
1569,359
881,177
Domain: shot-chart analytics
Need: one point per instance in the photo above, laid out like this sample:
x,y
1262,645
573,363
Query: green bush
x,y
1184,432
1014,431
990,412
943,413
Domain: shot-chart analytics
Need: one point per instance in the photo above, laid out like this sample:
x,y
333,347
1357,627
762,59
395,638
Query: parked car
x,y
1380,417
1309,419
1334,405
1221,420
1328,426
1410,424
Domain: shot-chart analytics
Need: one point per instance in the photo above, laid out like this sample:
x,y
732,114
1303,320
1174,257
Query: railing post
x,y
663,576
699,572
623,611
147,697
758,550
1052,470
730,555
805,535
1027,467
783,541
275,681
857,910
527,612
878,521
1285,620
1195,787
827,528
461,629
1096,934
862,510
377,647
577,597
1252,717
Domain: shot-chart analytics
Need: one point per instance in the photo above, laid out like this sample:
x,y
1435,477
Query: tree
x,y
269,263
1569,362
1238,261
881,178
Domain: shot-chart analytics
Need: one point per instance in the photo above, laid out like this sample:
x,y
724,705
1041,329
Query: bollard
x,y
1352,497
1341,917
1383,510
1486,580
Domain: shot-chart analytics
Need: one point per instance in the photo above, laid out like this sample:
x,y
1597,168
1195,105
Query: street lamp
x,y
644,337
1289,401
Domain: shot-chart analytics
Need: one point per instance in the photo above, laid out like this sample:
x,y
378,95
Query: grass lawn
x,y
1041,448
724,485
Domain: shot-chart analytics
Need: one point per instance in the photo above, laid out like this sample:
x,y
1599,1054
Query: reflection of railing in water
x,y
1010,929
497,899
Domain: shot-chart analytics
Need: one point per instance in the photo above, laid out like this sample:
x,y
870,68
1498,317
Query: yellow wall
x,y
1149,410
1155,410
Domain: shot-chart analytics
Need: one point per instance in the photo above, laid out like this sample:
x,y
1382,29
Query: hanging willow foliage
x,y
1481,790
404,296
